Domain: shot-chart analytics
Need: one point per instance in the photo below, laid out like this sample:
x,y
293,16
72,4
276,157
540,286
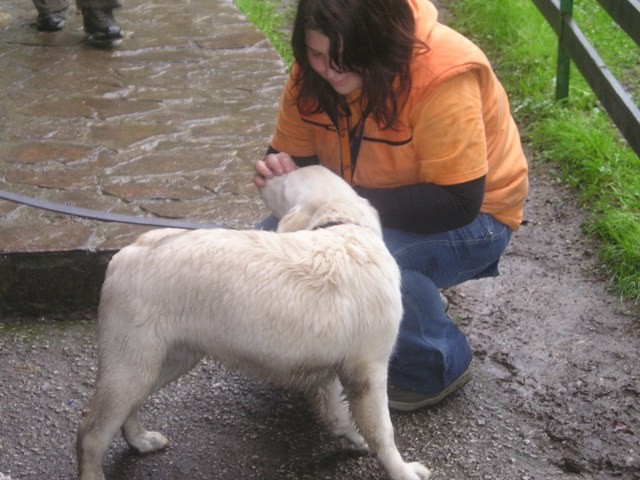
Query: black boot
x,y
101,26
51,22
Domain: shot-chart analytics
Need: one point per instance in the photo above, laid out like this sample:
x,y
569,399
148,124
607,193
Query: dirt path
x,y
554,345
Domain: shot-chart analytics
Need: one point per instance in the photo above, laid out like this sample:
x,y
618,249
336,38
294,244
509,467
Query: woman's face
x,y
318,47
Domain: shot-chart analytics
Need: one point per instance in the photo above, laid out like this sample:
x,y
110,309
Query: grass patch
x,y
619,52
275,19
576,134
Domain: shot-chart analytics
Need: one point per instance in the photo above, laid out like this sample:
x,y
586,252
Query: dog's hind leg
x,y
331,406
122,387
112,402
366,390
176,363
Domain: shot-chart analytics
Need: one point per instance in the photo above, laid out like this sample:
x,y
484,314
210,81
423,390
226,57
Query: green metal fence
x,y
574,46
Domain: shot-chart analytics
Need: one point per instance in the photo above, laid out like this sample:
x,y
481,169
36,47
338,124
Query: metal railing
x,y
574,46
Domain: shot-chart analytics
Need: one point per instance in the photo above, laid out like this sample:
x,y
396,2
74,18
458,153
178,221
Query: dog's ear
x,y
273,196
296,219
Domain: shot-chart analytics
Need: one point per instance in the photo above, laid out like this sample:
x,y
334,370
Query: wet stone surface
x,y
168,124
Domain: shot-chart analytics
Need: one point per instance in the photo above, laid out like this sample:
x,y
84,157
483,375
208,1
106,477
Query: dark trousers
x,y
46,7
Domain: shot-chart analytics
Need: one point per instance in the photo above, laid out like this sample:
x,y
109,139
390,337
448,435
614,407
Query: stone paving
x,y
167,125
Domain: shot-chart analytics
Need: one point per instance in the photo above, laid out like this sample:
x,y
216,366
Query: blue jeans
x,y
431,351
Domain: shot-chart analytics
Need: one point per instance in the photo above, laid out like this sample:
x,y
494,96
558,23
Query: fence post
x,y
564,60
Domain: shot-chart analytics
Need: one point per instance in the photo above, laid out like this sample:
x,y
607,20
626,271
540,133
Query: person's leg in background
x,y
52,14
99,22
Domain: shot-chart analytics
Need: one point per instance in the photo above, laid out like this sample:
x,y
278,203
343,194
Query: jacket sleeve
x,y
427,208
290,134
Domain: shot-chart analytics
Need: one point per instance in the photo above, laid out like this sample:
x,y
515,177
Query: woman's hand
x,y
273,164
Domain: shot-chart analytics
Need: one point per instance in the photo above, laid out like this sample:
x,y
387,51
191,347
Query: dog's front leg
x,y
331,406
366,390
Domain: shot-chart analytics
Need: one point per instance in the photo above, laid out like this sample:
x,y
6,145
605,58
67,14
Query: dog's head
x,y
312,197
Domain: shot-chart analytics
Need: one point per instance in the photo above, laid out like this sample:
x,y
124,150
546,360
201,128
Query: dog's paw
x,y
149,442
357,441
349,442
420,471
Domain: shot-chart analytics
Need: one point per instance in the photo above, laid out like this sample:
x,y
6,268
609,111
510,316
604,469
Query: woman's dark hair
x,y
372,38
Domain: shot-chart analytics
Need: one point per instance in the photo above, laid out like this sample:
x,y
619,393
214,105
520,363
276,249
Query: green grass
x,y
274,18
576,135
619,52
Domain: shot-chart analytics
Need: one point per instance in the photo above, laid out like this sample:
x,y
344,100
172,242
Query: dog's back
x,y
241,296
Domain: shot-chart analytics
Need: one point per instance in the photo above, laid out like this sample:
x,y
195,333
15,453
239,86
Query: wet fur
x,y
311,308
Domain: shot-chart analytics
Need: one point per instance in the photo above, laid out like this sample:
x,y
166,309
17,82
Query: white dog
x,y
316,306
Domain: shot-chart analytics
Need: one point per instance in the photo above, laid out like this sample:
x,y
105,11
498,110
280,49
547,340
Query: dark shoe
x,y
404,401
51,22
101,26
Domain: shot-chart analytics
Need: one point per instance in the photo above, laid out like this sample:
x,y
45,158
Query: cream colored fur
x,y
317,310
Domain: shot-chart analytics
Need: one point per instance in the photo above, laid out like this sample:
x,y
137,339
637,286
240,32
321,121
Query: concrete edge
x,y
35,283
